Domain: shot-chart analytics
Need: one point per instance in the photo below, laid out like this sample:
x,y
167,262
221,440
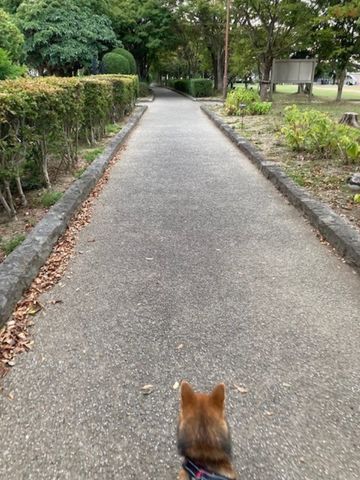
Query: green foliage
x,y
7,68
44,118
79,172
11,39
197,87
144,89
90,155
10,245
115,63
130,58
49,198
113,128
146,28
248,97
315,132
63,36
201,87
182,85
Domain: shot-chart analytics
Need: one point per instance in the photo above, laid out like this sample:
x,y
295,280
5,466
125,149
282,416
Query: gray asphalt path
x,y
193,267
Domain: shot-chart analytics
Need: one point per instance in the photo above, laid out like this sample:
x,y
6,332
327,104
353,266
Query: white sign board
x,y
293,71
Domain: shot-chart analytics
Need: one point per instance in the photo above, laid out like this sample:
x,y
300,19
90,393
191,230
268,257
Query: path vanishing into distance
x,y
193,267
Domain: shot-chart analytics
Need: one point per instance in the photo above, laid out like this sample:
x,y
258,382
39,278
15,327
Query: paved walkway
x,y
192,247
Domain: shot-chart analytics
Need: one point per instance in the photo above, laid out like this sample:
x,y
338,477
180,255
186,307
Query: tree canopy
x,y
62,36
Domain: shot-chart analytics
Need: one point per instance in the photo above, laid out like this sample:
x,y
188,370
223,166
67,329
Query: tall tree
x,y
11,39
146,28
337,36
62,36
275,28
207,19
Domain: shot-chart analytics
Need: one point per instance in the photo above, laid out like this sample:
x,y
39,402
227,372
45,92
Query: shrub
x,y
7,68
182,85
248,97
44,118
315,132
115,63
201,87
9,245
49,198
130,58
144,89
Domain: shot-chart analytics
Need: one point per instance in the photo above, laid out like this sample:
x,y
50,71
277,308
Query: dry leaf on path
x,y
241,388
147,389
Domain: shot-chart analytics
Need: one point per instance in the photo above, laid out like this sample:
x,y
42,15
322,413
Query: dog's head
x,y
203,432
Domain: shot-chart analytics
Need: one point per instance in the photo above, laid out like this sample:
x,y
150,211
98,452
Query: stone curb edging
x,y
20,268
336,230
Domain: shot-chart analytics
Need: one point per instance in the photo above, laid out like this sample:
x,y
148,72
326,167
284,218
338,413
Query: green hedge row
x,y
197,87
43,120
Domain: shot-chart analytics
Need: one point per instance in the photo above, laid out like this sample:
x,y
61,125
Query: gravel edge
x,y
336,230
20,268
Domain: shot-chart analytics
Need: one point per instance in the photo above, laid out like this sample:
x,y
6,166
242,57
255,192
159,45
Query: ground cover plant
x,y
45,126
244,101
305,138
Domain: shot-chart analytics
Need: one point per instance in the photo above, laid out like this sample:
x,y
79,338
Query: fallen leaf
x,y
34,308
268,413
179,347
11,396
147,389
241,388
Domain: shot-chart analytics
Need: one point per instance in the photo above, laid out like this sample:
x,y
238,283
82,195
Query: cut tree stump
x,y
351,119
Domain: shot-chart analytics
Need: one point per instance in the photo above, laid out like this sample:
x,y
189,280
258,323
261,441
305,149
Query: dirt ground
x,y
325,179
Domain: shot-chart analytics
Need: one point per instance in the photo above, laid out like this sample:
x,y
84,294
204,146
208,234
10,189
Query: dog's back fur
x,y
203,433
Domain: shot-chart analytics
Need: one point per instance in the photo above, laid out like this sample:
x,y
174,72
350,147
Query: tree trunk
x,y
21,192
265,78
220,72
9,198
341,82
5,204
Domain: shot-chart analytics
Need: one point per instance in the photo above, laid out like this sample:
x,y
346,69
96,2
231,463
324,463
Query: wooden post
x,y
227,28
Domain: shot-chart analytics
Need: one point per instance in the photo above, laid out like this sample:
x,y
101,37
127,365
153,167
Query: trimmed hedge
x,y
115,63
45,119
197,87
130,58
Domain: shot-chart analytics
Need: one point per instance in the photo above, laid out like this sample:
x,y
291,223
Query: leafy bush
x,y
315,132
44,118
115,63
201,87
7,68
130,58
144,89
182,85
49,198
248,97
10,245
197,87
11,38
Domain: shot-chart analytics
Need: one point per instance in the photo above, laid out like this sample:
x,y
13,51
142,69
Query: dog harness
x,y
199,473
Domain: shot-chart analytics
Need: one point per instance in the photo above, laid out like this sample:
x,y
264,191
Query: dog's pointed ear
x,y
218,396
187,394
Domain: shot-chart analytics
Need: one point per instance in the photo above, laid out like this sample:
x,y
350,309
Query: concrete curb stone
x,y
336,230
20,268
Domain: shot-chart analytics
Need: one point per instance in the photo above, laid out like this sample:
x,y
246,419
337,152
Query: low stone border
x,y
336,230
20,268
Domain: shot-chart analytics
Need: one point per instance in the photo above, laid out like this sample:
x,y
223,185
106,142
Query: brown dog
x,y
203,435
